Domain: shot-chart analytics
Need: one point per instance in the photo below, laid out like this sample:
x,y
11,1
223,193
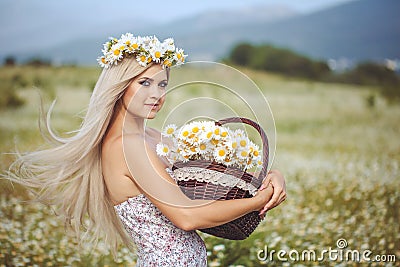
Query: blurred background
x,y
328,68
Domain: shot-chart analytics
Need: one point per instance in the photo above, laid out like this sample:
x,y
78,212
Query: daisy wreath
x,y
145,49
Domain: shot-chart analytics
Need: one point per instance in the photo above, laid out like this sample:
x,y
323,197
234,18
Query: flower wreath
x,y
145,49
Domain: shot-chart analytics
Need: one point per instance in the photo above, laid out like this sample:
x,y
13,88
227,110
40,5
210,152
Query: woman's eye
x,y
163,84
145,83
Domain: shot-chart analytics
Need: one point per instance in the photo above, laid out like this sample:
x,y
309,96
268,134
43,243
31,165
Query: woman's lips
x,y
153,106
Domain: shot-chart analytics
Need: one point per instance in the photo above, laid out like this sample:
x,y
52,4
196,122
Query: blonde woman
x,y
110,173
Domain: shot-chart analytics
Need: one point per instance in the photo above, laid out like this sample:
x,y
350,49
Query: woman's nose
x,y
156,91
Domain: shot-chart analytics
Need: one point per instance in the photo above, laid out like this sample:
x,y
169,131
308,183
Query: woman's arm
x,y
150,175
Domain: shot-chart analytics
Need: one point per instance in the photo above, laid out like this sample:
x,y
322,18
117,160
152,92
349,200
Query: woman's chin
x,y
151,115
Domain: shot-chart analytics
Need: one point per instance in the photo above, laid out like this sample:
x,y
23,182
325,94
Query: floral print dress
x,y
158,241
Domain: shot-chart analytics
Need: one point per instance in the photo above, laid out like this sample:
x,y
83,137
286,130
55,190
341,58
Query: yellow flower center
x,y
224,134
165,149
193,149
185,133
256,153
128,43
221,152
117,52
170,130
167,63
209,134
234,145
150,59
227,160
135,46
243,143
179,55
157,54
243,154
195,129
143,58
214,142
203,147
103,60
216,131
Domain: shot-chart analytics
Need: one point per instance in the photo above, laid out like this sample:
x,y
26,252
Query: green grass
x,y
340,158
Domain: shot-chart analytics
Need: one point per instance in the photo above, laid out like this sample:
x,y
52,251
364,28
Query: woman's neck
x,y
124,123
130,124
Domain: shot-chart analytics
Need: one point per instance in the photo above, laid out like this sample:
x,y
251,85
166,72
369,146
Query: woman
x,y
109,170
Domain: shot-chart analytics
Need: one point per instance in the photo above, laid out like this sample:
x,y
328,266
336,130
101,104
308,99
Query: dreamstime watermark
x,y
339,254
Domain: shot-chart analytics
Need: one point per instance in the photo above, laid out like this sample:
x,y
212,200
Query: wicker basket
x,y
222,187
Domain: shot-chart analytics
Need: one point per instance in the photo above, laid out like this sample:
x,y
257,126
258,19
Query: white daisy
x,y
220,154
258,162
174,157
103,62
179,56
207,131
157,52
117,51
126,39
234,144
184,132
166,63
243,142
170,130
229,161
205,148
217,132
143,59
224,132
242,154
256,152
162,149
169,43
249,164
195,127
239,133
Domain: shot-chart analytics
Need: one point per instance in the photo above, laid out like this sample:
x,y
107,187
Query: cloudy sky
x,y
13,10
49,22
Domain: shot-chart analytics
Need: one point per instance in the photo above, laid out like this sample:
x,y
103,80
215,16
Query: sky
x,y
34,20
299,5
159,11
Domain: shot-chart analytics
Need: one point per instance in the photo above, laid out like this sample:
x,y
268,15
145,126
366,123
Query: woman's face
x,y
145,95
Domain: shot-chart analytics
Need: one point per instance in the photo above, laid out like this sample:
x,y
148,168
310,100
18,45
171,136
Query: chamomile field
x,y
337,145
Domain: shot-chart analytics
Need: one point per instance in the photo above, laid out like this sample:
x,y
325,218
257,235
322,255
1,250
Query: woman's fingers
x,y
265,184
278,197
276,179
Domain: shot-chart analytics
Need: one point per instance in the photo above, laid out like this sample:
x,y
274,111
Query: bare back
x,y
117,177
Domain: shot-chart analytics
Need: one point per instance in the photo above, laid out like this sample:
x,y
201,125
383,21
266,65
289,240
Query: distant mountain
x,y
358,30
85,42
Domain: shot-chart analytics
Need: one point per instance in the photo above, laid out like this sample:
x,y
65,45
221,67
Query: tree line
x,y
284,61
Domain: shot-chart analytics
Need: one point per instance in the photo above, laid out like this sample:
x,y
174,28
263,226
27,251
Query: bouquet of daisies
x,y
210,161
204,140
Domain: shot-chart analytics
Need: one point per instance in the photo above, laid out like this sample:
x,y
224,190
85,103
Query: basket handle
x,y
264,140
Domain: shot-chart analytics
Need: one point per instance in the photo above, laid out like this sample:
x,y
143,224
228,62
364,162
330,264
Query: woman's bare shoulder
x,y
115,171
156,134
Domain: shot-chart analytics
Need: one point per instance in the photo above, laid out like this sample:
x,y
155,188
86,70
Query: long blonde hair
x,y
68,175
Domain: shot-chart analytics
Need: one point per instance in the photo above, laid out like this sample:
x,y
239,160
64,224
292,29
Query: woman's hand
x,y
279,186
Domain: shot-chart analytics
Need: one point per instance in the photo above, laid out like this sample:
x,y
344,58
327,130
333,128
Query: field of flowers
x,y
340,156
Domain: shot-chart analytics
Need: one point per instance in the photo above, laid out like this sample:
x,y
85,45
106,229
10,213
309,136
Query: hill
x,y
359,30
